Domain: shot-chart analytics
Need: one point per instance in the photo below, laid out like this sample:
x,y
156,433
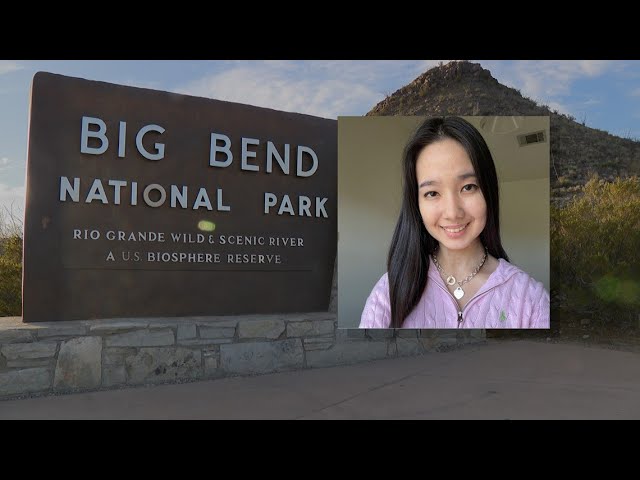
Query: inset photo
x,y
443,222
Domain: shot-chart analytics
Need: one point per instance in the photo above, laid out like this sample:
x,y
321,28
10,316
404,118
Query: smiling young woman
x,y
446,266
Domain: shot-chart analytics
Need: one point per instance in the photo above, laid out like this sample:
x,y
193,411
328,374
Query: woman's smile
x,y
455,231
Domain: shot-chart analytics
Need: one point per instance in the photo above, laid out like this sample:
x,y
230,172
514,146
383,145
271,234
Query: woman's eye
x,y
430,194
470,188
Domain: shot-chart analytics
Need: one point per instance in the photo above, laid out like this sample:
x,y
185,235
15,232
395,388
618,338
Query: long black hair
x,y
408,260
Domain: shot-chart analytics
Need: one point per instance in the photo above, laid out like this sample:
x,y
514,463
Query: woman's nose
x,y
453,207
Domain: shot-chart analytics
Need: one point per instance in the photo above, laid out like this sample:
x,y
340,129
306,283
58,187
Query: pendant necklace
x,y
451,280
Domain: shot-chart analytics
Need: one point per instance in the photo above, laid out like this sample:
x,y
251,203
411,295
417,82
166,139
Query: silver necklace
x,y
451,280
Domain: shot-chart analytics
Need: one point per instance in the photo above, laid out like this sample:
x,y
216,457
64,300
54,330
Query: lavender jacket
x,y
510,298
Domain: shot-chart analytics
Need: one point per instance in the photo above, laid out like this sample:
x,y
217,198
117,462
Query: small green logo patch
x,y
503,316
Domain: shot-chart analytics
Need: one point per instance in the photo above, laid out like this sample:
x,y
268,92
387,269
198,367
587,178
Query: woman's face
x,y
452,206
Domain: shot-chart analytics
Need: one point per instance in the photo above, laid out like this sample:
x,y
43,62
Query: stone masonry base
x,y
41,358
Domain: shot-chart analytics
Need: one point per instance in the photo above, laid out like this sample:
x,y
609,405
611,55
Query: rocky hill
x,y
465,88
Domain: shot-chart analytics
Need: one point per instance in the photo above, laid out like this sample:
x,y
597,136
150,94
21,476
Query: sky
x,y
604,94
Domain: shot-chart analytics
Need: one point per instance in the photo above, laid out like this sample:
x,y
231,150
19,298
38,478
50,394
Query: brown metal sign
x,y
143,203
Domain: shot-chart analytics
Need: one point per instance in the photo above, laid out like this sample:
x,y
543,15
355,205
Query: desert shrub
x,y
595,244
10,276
10,265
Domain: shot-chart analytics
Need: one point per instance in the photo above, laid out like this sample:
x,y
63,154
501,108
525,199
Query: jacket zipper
x,y
460,319
476,296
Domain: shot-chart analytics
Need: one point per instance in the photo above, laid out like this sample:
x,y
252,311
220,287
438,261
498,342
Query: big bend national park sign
x,y
142,203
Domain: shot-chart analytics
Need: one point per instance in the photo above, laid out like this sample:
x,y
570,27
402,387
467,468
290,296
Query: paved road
x,y
500,380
